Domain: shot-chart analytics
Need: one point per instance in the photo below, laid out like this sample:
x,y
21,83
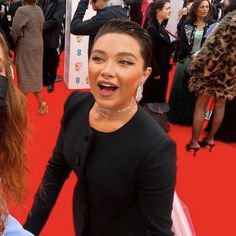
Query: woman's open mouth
x,y
107,89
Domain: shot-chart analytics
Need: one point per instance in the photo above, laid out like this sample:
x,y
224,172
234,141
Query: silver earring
x,y
139,93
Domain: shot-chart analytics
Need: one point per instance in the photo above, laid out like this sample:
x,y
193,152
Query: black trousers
x,y
50,64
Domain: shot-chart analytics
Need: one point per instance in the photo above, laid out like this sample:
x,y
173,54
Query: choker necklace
x,y
113,114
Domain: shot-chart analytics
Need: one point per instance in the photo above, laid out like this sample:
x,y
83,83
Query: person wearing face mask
x,y
155,88
13,132
125,163
104,12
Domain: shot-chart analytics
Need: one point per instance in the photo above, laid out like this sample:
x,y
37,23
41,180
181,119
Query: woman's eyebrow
x,y
126,54
98,51
119,54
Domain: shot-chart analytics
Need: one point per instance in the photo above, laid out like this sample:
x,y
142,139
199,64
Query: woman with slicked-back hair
x,y
124,161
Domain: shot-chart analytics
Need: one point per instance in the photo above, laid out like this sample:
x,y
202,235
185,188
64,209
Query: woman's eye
x,y
125,62
97,59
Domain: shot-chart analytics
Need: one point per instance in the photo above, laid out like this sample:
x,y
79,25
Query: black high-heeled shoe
x,y
189,148
204,143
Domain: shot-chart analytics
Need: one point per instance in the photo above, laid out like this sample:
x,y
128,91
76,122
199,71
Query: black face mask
x,y
3,91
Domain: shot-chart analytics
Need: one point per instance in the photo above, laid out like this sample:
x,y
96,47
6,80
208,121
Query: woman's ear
x,y
146,74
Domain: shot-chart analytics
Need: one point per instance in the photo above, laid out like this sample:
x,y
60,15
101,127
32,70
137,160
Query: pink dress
x,y
182,224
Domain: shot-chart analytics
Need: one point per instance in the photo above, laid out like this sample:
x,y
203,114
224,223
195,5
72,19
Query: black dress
x,y
126,180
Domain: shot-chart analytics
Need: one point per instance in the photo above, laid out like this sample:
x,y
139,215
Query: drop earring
x,y
139,93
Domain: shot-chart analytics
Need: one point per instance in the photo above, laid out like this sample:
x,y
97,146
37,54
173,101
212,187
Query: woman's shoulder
x,y
22,9
152,25
210,22
154,140
150,128
188,22
77,99
14,228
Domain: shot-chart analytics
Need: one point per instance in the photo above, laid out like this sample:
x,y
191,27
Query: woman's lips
x,y
107,89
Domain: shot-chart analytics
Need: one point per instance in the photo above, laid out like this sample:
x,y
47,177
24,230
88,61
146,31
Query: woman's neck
x,y
200,21
110,120
159,20
116,113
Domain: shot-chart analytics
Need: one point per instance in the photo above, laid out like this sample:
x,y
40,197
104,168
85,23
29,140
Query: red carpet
x,y
205,182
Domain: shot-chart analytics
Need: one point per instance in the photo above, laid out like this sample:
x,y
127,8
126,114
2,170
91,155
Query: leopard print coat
x,y
213,70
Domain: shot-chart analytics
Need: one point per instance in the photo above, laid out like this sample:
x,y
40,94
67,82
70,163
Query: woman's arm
x,y
19,21
56,173
87,27
154,61
156,183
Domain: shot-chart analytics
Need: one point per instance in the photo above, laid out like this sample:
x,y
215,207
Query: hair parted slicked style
x,y
132,29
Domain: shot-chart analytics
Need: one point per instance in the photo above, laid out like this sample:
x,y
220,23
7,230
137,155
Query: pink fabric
x,y
182,224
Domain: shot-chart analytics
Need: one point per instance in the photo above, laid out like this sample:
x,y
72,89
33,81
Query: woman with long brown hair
x,y
192,37
13,132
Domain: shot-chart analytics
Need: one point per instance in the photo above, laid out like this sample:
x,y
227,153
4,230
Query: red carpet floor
x,y
205,182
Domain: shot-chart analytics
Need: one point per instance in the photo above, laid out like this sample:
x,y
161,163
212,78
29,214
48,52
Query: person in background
x,y
8,10
13,133
134,10
155,88
104,13
183,16
213,75
221,8
123,188
144,9
27,28
192,37
54,11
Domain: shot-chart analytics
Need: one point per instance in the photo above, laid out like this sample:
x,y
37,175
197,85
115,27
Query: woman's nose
x,y
108,70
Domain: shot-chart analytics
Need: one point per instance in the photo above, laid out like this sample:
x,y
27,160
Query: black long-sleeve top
x,y
126,177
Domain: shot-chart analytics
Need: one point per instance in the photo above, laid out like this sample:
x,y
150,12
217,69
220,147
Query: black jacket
x,y
54,12
187,38
135,10
90,27
126,180
155,90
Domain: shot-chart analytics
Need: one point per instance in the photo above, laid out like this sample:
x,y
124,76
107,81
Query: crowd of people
x,y
122,188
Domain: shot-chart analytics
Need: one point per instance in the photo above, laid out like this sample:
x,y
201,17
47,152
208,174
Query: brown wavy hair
x,y
13,133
